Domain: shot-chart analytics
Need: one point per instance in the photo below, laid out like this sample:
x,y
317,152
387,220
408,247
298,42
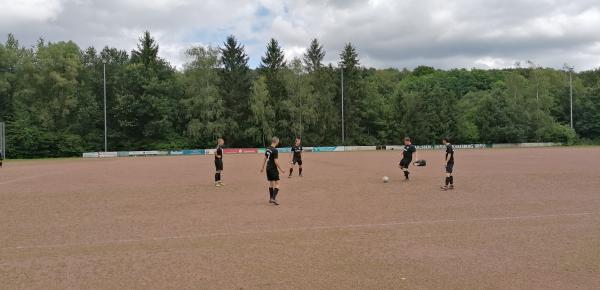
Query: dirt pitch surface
x,y
519,219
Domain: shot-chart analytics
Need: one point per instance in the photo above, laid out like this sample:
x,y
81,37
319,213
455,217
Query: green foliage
x,y
51,98
558,133
263,114
587,113
423,71
273,68
201,115
234,87
354,101
313,58
147,51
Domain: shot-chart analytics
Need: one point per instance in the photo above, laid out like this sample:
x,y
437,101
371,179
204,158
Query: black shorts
x,y
219,164
404,163
449,167
297,160
272,174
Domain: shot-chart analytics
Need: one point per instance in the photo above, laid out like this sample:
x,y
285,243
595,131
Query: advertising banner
x,y
193,152
440,146
99,154
360,148
107,154
308,149
143,153
249,150
524,145
240,150
284,149
324,149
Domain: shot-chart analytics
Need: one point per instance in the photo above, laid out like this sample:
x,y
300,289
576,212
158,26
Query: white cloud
x,y
161,5
492,62
387,33
34,11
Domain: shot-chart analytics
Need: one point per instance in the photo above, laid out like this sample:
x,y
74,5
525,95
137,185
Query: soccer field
x,y
518,219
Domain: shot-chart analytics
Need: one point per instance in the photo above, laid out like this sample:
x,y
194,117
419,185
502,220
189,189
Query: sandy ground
x,y
519,219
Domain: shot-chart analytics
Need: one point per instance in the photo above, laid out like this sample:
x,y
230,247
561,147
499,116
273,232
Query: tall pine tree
x,y
272,64
324,125
313,58
147,50
235,83
272,68
145,111
353,94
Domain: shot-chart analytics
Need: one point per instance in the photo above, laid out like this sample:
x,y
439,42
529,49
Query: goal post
x,y
2,140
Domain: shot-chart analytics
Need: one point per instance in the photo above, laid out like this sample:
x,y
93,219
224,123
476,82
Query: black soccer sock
x,y
275,192
271,191
217,177
292,170
406,173
300,171
452,180
447,180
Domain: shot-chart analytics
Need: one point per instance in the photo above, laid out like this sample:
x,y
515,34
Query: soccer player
x,y
296,157
408,154
273,168
449,164
219,163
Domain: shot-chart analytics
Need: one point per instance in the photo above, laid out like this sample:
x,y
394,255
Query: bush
x,y
558,133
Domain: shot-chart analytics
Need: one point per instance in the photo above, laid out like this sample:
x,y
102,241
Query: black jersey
x,y
271,153
297,152
408,152
450,153
219,153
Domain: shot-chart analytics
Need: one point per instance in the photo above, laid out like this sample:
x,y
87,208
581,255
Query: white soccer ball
x,y
386,179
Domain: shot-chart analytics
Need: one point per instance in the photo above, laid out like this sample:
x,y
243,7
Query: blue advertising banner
x,y
324,149
194,152
285,149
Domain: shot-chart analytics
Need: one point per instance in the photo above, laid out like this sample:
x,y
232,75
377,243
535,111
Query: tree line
x,y
51,99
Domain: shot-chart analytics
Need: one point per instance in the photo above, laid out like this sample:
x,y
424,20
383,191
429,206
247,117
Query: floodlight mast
x,y
342,85
105,127
570,70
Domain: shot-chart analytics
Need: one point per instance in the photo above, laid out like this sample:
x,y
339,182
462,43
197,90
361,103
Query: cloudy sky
x,y
387,33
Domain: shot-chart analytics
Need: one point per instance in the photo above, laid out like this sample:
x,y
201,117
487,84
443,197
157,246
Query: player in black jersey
x,y
409,153
296,155
449,184
219,163
273,168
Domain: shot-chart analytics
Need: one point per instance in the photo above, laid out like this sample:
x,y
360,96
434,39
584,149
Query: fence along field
x,y
308,149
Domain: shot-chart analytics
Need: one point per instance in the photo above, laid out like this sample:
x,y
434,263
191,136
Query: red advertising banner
x,y
249,150
240,150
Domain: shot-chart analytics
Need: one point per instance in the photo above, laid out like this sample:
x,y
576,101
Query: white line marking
x,y
298,229
26,178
